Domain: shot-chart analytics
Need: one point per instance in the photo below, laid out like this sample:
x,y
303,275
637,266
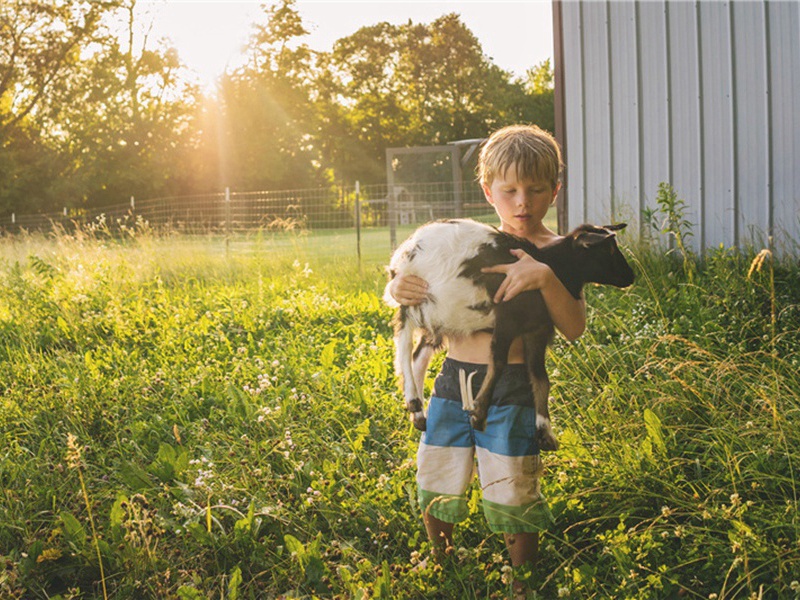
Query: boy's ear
x,y
555,193
487,193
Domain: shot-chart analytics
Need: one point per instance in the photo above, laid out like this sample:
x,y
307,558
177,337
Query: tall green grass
x,y
182,422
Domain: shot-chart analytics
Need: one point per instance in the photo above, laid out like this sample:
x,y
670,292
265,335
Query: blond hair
x,y
530,150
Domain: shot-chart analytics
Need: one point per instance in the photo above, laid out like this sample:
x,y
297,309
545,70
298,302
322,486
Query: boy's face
x,y
521,204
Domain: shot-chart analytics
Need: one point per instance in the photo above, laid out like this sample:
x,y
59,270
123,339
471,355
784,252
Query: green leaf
x,y
186,592
117,516
234,583
328,355
654,431
74,532
134,477
294,546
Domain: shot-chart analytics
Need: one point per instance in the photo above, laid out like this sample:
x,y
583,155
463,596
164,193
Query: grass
x,y
182,422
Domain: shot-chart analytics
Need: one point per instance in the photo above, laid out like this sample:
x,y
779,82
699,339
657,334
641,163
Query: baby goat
x,y
449,256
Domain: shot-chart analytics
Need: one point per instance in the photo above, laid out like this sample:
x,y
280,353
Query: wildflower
x,y
563,592
73,452
48,554
795,586
505,576
666,511
758,262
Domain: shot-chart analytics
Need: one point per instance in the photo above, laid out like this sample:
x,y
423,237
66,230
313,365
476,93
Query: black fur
x,y
588,254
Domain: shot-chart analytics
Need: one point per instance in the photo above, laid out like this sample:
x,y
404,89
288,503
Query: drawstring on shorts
x,y
465,383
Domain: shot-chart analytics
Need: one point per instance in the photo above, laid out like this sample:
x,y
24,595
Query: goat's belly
x,y
458,316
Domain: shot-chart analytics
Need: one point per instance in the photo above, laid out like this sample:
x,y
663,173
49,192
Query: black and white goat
x,y
449,256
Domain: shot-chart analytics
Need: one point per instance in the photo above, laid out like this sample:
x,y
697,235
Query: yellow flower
x,y
73,452
48,554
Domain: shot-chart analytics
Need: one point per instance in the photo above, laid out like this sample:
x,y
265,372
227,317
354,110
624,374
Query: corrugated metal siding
x,y
697,94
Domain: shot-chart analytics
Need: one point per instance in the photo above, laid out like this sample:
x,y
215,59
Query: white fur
x,y
435,253
441,248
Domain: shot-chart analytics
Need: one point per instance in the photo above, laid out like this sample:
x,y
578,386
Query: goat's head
x,y
600,258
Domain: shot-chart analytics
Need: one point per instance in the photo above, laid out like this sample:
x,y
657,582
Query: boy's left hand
x,y
520,276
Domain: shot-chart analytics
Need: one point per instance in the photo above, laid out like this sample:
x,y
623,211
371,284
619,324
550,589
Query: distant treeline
x,y
93,111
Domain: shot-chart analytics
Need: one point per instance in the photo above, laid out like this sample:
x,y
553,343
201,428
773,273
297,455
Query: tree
x,y
108,125
413,84
263,118
40,45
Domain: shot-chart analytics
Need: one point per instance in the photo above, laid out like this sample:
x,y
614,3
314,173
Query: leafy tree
x,y
538,85
263,119
40,44
128,117
104,122
413,84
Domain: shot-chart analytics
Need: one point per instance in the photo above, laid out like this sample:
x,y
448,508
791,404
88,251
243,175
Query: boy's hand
x,y
409,290
520,276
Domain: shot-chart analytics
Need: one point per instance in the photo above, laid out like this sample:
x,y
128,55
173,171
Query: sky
x,y
209,34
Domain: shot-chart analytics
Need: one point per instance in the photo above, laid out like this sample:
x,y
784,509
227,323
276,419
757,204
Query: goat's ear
x,y
616,227
587,239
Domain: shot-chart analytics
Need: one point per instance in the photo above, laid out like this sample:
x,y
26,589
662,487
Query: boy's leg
x,y
522,548
440,533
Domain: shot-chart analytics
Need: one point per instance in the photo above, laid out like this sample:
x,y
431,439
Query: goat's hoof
x,y
478,423
420,421
547,442
414,405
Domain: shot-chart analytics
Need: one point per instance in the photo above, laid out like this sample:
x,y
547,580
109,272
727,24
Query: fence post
x,y
227,220
390,200
358,222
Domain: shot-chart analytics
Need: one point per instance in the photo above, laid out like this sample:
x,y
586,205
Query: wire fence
x,y
229,213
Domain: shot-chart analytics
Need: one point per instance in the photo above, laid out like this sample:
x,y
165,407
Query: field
x,y
179,420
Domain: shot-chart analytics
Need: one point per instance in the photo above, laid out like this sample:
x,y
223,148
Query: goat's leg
x,y
404,341
501,342
535,347
419,364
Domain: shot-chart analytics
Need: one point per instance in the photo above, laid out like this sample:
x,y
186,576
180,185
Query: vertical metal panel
x,y
597,142
750,122
654,105
783,20
714,88
717,122
562,197
624,113
573,94
685,154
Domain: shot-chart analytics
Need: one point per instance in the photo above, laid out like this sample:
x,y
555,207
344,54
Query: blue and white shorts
x,y
507,455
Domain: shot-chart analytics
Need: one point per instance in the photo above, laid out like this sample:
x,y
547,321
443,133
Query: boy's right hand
x,y
409,290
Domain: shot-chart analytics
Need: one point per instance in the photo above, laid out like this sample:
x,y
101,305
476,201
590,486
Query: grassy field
x,y
182,421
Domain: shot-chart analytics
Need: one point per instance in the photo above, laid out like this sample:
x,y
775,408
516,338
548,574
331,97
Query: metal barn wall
x,y
702,95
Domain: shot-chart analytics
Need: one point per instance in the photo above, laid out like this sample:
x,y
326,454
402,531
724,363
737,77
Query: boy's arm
x,y
568,314
405,290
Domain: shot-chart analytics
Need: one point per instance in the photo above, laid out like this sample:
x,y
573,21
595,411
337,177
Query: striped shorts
x,y
508,459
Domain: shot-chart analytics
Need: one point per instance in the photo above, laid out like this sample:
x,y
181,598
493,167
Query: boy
x,y
519,169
